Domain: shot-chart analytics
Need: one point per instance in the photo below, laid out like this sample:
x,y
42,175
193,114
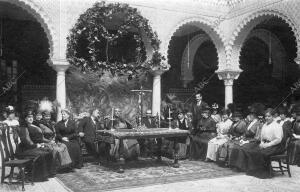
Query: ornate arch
x,y
276,47
207,26
40,15
234,45
188,56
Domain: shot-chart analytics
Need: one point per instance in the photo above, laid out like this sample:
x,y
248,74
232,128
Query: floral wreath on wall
x,y
92,26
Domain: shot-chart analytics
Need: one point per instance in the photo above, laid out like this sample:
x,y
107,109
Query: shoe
x,y
120,170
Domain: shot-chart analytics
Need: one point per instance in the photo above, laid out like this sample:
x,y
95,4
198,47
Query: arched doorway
x,y
25,50
193,57
267,60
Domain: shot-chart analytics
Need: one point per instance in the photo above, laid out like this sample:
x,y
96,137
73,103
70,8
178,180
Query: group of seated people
x,y
245,142
226,137
52,146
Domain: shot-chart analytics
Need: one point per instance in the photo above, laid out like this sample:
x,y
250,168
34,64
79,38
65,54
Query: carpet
x,y
139,173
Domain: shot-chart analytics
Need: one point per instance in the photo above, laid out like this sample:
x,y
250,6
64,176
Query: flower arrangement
x,y
100,30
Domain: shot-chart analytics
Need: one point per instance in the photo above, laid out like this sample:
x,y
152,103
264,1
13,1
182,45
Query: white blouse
x,y
272,132
224,126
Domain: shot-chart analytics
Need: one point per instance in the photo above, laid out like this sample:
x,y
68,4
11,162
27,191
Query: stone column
x,y
60,67
228,76
156,92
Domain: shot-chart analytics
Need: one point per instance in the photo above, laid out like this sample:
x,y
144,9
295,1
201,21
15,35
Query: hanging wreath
x,y
94,41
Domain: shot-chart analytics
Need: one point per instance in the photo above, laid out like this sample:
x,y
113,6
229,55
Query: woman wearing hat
x,y
251,135
222,130
201,134
13,124
294,155
43,166
59,150
235,133
255,156
66,132
215,115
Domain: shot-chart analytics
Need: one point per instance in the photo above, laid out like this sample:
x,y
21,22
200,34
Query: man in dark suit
x,y
198,108
149,121
87,131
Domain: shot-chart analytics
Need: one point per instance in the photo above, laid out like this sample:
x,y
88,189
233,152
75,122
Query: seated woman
x,y
222,130
200,135
66,133
130,146
235,133
294,155
27,149
251,135
48,131
215,113
256,155
59,149
13,125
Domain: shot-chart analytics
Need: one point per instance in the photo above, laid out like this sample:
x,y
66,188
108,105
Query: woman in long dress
x,y
251,135
222,130
27,149
294,148
64,158
200,135
59,150
13,124
66,133
256,157
235,133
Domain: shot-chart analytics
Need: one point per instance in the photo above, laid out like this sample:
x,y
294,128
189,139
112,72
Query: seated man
x,y
147,145
87,131
149,121
130,147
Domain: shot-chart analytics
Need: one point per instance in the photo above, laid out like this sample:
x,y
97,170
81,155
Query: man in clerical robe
x,y
201,134
147,145
131,147
198,108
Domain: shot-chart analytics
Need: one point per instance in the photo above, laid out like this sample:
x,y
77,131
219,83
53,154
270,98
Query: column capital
x,y
157,72
60,65
228,75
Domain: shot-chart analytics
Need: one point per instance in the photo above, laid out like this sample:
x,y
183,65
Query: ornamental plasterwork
x,y
38,13
217,38
229,3
233,46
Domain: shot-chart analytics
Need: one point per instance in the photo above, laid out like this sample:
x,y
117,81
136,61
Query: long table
x,y
109,136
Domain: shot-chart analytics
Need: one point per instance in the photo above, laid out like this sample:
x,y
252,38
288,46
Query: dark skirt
x,y
225,150
199,145
75,153
252,159
172,146
43,167
294,152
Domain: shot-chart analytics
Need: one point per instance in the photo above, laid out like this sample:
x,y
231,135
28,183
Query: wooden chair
x,y
281,159
8,157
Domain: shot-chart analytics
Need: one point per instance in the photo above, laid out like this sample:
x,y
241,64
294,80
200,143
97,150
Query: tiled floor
x,y
240,183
